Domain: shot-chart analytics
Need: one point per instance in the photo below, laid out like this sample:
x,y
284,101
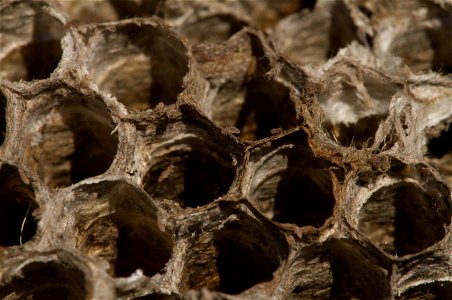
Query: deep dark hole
x,y
354,276
300,200
361,134
47,281
2,118
142,248
15,200
94,151
241,266
44,52
417,224
342,31
442,145
41,58
267,106
129,9
310,4
12,215
193,179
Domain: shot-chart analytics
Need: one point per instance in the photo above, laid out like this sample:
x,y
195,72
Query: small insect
x,y
231,130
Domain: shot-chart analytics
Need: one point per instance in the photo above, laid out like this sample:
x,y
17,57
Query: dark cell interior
x,y
18,203
239,257
131,9
360,134
403,219
267,106
221,28
135,64
74,142
339,270
342,30
301,190
38,58
130,238
440,290
46,281
441,145
192,178
2,118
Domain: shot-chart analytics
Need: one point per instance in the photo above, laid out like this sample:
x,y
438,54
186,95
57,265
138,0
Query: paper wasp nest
x,y
237,149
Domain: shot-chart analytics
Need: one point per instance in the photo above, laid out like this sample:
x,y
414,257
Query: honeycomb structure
x,y
241,149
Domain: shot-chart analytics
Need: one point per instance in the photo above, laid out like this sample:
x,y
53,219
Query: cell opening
x,y
439,290
71,141
267,106
404,219
141,65
238,257
17,223
292,186
38,49
2,118
339,270
126,232
342,30
213,29
360,134
441,145
49,281
193,177
354,114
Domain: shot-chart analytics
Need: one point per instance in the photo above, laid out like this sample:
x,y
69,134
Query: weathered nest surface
x,y
225,149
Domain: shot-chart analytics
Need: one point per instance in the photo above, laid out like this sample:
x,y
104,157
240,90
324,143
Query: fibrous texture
x,y
239,149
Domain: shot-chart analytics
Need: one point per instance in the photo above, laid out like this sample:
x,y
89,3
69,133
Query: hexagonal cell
x,y
242,94
355,103
310,37
17,199
192,175
242,252
69,139
30,37
405,218
337,269
2,117
420,40
289,184
267,105
51,280
140,63
438,290
117,222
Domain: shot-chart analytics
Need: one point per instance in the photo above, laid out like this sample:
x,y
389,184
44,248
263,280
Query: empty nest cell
x,y
30,39
231,259
70,139
289,185
117,222
17,198
141,64
190,171
337,269
404,218
47,280
355,102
